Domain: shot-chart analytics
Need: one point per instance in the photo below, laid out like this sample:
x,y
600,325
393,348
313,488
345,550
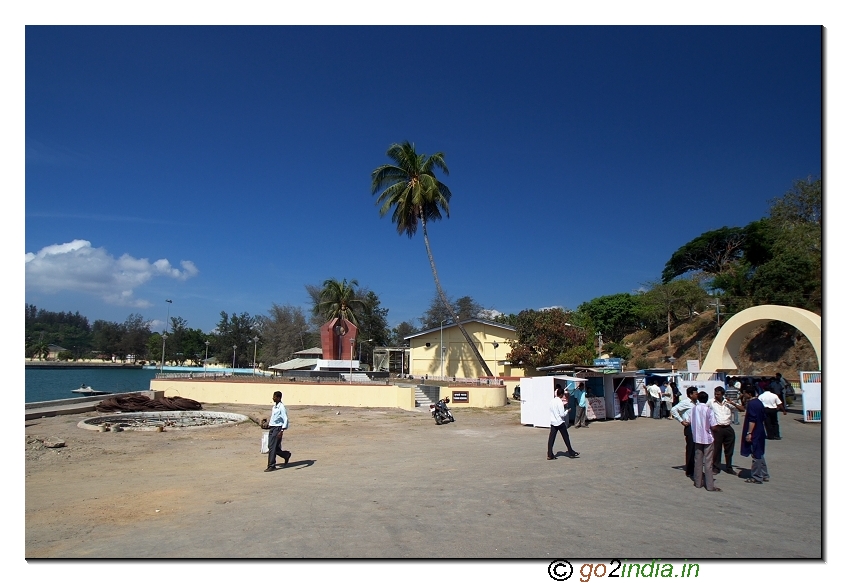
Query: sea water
x,y
44,384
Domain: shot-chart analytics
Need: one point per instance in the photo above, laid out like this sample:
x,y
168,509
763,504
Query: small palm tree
x,y
338,299
410,188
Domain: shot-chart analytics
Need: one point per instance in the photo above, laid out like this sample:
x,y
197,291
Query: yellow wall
x,y
478,396
259,393
460,361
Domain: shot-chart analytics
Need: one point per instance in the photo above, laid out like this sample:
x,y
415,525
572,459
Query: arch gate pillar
x,y
726,346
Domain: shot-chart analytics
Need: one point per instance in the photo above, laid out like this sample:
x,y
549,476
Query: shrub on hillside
x,y
643,363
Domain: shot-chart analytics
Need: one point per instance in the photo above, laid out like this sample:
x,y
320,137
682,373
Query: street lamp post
x,y
234,346
496,369
206,361
167,322
352,347
254,340
360,342
164,342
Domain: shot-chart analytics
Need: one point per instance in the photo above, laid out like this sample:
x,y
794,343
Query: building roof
x,y
479,320
308,351
296,364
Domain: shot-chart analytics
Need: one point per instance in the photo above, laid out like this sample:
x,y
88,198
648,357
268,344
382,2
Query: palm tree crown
x,y
417,197
411,188
338,299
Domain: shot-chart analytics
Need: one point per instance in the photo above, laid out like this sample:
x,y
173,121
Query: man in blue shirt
x,y
278,424
580,397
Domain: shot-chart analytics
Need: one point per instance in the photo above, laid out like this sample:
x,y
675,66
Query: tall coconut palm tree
x,y
338,299
410,188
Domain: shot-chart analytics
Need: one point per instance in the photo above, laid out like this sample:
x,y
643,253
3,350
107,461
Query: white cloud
x,y
79,267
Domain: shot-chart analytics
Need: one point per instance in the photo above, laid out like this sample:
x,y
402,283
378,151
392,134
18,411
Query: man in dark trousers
x,y
723,431
278,424
559,413
681,413
772,404
754,437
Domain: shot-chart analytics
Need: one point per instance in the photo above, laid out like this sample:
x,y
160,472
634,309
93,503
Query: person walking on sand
x,y
278,424
559,413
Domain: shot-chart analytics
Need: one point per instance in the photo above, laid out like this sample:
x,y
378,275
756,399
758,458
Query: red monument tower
x,y
337,339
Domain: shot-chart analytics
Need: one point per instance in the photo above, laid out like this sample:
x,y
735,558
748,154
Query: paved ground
x,y
389,483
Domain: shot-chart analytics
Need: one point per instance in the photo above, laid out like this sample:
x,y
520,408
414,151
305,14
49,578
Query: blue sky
x,y
227,167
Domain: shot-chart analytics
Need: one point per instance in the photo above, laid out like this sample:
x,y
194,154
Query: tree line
x,y
777,259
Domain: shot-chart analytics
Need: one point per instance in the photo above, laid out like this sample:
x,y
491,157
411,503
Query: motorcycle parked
x,y
440,412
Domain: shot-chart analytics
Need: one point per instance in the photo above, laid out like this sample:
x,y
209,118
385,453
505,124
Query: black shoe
x,y
573,454
550,457
269,468
731,471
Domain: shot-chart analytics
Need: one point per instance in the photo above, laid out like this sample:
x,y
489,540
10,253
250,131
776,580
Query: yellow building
x,y
444,352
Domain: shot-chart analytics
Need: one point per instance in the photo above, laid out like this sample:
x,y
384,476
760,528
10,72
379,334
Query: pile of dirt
x,y
768,349
138,403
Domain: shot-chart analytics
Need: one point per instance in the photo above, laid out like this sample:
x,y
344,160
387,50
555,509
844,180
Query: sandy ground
x,y
387,483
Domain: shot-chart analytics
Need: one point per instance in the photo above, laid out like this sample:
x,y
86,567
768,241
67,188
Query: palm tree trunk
x,y
447,305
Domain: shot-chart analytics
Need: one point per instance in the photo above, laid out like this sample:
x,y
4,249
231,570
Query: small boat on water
x,y
86,390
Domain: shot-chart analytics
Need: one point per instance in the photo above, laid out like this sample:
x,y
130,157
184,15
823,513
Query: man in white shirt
x,y
702,419
681,413
724,435
278,424
772,404
558,423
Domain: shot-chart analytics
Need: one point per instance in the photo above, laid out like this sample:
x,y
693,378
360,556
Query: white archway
x,y
726,346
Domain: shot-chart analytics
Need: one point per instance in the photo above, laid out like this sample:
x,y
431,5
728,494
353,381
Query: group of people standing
x,y
660,395
773,392
709,434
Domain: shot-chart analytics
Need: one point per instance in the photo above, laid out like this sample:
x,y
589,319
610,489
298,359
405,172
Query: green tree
x,y
710,252
338,299
136,332
372,326
548,337
284,332
400,331
410,191
673,301
464,308
234,331
614,315
108,339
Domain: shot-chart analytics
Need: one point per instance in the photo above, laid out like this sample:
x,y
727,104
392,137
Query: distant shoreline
x,y
60,365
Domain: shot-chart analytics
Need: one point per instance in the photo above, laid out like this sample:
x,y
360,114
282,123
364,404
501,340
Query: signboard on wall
x,y
595,408
692,366
460,397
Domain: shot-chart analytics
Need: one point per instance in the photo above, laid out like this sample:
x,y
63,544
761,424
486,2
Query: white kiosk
x,y
535,395
811,383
